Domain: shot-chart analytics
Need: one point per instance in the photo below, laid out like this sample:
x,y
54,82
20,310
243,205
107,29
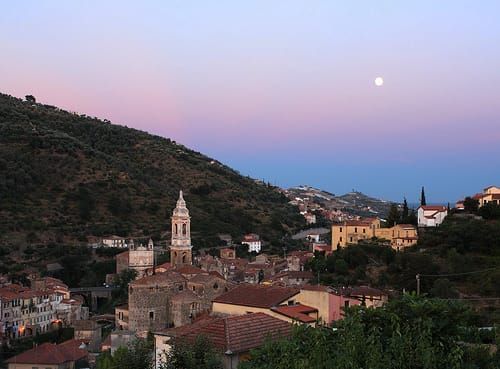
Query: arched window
x,y
183,258
176,229
216,286
184,229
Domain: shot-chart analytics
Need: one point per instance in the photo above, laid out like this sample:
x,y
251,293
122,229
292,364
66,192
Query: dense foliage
x,y
410,333
465,249
65,176
137,355
200,355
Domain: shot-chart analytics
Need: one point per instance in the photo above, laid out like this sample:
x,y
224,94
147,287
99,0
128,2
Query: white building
x,y
253,242
431,215
114,241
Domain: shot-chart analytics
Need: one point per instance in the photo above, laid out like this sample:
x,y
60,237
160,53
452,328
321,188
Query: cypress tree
x,y
405,213
422,198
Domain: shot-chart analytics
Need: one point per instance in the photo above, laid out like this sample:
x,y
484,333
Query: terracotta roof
x,y
166,266
189,269
256,295
438,208
160,278
51,354
234,334
350,223
216,274
487,188
365,291
205,278
294,274
297,312
315,287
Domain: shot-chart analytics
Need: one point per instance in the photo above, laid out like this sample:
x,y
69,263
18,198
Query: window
x,y
340,229
151,315
340,239
216,286
350,239
355,229
346,303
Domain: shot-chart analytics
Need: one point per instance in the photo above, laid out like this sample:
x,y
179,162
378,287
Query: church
x,y
180,246
140,254
175,296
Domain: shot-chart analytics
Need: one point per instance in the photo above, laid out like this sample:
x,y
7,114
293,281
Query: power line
x,y
458,274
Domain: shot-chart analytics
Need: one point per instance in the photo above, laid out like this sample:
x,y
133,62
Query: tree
x,y
394,216
471,205
30,98
489,211
411,332
423,202
122,281
405,212
200,355
137,355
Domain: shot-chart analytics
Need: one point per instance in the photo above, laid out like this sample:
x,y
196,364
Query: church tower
x,y
180,246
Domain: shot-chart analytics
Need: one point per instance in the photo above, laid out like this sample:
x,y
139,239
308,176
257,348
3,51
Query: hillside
x,y
353,203
65,176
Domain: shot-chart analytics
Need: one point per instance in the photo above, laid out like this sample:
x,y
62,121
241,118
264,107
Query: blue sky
x,y
281,90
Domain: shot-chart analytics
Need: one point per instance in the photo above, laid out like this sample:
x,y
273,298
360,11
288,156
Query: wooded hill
x,y
65,176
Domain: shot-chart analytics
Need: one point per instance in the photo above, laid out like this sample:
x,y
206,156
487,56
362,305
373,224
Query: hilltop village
x,y
236,302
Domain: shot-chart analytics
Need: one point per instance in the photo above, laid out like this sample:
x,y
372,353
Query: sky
x,y
281,90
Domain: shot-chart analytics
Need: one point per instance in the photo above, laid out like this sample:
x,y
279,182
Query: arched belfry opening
x,y
180,246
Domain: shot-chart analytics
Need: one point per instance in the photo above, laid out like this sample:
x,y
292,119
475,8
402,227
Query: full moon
x,y
379,81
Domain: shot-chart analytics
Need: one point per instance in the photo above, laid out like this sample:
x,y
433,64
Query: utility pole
x,y
418,284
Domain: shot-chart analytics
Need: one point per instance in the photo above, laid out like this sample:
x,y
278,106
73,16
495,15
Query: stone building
x,y
171,299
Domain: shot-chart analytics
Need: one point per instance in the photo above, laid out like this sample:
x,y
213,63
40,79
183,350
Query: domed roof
x,y
181,209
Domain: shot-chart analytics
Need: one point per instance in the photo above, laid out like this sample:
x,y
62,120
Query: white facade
x,y
431,216
253,246
114,241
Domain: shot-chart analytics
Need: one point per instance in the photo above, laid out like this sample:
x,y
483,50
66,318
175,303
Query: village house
x,y
89,332
51,356
227,253
292,278
253,242
26,311
121,317
353,231
233,336
490,194
114,241
296,260
431,215
271,300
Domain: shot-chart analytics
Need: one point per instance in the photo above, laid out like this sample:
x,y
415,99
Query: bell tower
x,y
180,246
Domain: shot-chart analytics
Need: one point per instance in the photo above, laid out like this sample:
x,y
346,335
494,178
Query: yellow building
x,y
351,232
490,194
